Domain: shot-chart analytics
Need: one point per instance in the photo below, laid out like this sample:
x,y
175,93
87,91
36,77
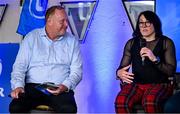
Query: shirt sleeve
x,y
75,75
126,58
21,64
168,66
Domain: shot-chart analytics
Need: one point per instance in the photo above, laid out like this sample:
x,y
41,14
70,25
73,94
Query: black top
x,y
149,72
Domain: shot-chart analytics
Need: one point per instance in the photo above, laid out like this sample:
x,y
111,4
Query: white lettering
x,y
81,11
1,92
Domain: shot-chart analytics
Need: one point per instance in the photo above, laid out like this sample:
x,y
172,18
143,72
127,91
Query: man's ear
x,y
49,21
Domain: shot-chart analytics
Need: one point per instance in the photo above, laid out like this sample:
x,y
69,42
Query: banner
x,y
6,62
32,15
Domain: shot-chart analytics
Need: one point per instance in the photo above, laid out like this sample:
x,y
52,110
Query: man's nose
x,y
65,23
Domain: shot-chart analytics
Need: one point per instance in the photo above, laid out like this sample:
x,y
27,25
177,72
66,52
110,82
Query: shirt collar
x,y
43,34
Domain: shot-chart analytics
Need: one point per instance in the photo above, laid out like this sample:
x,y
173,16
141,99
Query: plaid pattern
x,y
152,97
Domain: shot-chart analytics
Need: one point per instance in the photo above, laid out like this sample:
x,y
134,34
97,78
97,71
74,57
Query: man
x,y
48,54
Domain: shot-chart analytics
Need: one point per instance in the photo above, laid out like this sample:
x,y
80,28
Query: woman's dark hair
x,y
152,18
51,11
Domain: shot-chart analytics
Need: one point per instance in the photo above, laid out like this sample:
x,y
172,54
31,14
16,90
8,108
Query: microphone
x,y
142,44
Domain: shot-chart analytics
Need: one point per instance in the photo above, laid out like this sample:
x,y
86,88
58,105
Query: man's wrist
x,y
63,88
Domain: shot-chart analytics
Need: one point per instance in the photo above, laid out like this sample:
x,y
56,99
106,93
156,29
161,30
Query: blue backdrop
x,y
169,12
102,51
7,58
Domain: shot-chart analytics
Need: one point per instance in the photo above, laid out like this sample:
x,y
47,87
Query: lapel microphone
x,y
142,44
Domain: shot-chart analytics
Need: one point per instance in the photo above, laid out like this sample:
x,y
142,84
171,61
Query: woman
x,y
153,60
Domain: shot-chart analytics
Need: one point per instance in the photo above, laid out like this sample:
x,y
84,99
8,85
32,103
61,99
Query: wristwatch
x,y
157,61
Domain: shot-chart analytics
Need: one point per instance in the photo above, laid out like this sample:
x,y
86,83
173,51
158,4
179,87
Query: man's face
x,y
59,22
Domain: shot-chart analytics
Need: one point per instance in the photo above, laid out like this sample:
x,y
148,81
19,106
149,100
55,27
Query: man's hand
x,y
62,88
15,93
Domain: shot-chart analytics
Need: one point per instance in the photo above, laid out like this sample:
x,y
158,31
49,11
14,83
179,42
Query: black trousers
x,y
62,103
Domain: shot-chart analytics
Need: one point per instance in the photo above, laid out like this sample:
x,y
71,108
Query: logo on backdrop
x,y
32,16
37,8
1,89
80,15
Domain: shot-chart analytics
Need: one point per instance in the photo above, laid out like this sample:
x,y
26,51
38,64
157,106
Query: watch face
x,y
157,61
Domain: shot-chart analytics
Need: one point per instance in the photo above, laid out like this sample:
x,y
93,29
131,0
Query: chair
x,y
42,109
177,82
173,80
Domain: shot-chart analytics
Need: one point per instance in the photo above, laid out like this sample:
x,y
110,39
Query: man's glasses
x,y
144,24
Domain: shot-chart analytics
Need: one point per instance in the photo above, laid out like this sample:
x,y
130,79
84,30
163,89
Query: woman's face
x,y
146,28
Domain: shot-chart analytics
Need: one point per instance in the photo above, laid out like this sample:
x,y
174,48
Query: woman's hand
x,y
124,75
146,52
